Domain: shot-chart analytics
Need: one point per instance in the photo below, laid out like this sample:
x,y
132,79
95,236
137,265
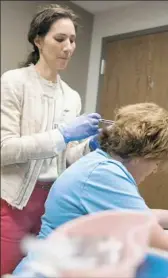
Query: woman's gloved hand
x,y
81,128
94,141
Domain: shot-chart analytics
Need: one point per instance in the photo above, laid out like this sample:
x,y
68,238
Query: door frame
x,y
106,40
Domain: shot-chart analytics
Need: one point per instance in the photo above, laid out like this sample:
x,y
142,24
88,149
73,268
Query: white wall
x,y
137,16
15,20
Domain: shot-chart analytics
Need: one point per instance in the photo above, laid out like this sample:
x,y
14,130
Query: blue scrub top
x,y
96,182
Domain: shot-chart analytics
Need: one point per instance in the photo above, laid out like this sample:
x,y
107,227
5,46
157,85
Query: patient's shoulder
x,y
113,171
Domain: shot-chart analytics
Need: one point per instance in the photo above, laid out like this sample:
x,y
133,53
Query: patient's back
x,y
94,183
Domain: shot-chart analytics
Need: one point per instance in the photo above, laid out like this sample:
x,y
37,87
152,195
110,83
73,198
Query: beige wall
x,y
136,16
15,19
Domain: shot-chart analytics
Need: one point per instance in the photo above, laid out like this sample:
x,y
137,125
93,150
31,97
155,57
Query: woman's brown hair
x,y
41,24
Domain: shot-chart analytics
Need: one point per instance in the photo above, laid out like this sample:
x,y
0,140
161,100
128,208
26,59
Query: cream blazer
x,y
25,142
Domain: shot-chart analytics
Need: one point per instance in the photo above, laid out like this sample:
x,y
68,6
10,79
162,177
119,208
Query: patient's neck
x,y
118,158
130,166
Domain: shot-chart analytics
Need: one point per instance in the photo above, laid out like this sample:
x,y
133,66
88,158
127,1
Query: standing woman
x,y
39,129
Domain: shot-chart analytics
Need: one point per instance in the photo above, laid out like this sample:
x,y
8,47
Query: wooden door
x,y
137,71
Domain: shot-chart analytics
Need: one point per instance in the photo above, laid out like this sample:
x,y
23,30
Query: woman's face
x,y
57,47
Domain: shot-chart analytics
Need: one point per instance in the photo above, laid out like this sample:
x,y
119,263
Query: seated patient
x,y
106,179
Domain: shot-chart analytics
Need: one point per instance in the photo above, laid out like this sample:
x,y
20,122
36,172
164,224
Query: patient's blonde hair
x,y
139,130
